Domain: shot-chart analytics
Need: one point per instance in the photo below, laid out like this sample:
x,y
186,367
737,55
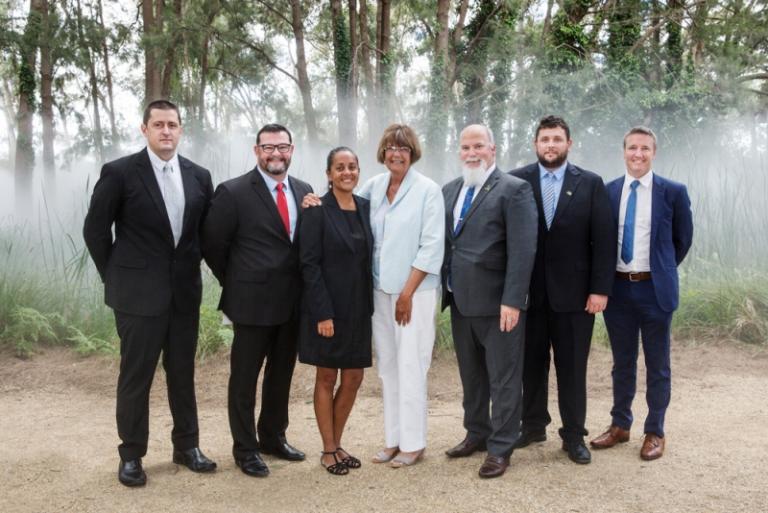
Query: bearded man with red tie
x,y
248,242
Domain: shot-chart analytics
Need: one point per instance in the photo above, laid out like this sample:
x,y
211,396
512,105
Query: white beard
x,y
473,176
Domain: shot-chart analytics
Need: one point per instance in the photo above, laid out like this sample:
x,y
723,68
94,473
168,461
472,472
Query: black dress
x,y
335,248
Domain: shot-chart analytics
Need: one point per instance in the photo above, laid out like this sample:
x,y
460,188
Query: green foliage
x,y
213,336
26,328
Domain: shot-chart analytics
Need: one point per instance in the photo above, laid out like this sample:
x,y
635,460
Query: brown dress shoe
x,y
494,466
614,435
465,448
653,447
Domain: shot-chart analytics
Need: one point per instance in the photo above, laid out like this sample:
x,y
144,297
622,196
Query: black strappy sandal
x,y
350,461
337,469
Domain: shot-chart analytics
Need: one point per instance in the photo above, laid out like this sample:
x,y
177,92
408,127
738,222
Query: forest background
x,y
75,74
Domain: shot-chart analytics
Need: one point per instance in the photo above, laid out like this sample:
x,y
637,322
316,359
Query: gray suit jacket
x,y
491,257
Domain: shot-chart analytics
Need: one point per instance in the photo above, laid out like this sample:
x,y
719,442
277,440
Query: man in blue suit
x,y
655,230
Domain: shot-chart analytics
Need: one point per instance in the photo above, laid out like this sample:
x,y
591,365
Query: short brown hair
x,y
553,122
639,130
160,105
399,135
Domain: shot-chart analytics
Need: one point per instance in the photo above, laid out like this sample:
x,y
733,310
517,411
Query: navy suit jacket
x,y
671,234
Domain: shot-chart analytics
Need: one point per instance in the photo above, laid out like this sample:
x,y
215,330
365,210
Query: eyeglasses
x,y
395,149
269,148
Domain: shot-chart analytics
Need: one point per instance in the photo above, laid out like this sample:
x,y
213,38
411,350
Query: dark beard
x,y
555,163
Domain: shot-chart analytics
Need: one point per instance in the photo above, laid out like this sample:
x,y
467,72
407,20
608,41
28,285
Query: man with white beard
x,y
490,245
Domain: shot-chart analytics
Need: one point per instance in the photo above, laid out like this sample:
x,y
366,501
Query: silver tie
x,y
173,203
548,198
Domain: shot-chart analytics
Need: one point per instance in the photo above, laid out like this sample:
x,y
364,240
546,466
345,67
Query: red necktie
x,y
282,208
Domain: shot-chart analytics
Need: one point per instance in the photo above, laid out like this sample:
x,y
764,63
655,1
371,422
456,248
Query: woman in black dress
x,y
335,244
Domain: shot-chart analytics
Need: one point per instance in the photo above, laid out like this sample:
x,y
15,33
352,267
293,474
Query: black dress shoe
x,y
130,473
529,437
194,460
465,448
577,452
252,465
283,450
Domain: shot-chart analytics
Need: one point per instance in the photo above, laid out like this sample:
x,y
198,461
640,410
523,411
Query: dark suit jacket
x,y
491,258
245,245
328,260
142,271
671,234
577,255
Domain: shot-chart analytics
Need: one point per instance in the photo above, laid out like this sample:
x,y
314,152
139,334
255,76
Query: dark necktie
x,y
464,208
628,238
282,208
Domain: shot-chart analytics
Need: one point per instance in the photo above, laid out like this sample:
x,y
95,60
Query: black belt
x,y
642,276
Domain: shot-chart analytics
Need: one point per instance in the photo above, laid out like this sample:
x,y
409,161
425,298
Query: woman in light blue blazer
x,y
407,217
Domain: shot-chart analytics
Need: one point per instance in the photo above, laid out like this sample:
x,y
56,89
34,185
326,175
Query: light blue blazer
x,y
414,230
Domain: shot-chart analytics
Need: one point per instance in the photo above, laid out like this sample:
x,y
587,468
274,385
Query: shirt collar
x,y
645,180
272,183
159,163
557,173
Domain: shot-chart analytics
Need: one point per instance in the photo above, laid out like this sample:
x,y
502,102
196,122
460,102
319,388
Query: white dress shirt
x,y
641,254
463,193
272,186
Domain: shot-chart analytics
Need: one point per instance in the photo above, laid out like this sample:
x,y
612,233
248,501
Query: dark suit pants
x,y
633,311
570,335
142,339
253,345
491,370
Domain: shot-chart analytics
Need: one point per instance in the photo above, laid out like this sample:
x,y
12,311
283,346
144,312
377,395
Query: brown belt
x,y
643,276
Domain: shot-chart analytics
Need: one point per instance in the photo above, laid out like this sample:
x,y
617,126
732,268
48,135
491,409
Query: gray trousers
x,y
491,370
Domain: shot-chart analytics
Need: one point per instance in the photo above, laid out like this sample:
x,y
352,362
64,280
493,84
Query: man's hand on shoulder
x,y
311,200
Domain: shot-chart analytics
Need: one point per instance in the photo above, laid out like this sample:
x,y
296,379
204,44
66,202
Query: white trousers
x,y
403,356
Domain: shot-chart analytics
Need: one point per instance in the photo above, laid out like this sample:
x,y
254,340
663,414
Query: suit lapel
x,y
336,216
533,176
147,176
265,195
614,192
188,181
489,184
657,200
452,195
364,213
570,183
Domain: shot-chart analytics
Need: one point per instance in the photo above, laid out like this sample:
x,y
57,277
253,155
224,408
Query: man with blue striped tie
x,y
655,230
572,278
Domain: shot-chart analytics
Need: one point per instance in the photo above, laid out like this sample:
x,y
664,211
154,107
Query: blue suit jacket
x,y
671,234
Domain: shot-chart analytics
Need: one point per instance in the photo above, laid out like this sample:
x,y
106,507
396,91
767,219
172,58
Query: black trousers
x,y
491,367
253,345
142,340
569,334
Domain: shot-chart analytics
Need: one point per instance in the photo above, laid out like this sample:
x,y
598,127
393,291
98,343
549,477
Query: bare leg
x,y
325,381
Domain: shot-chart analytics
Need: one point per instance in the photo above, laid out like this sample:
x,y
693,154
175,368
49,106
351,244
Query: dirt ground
x,y
58,447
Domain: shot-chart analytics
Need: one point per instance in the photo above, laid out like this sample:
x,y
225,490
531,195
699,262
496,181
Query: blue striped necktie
x,y
465,208
548,198
628,238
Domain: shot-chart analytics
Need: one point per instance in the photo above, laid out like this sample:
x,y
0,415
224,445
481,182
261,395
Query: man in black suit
x,y
572,277
156,200
248,242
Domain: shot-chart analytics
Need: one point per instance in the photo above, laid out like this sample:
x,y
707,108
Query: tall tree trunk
x,y
46,96
305,87
85,47
383,62
353,72
152,16
674,41
107,75
342,57
365,63
169,66
438,110
10,116
25,155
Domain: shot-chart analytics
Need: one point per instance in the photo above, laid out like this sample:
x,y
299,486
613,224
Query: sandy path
x,y
58,441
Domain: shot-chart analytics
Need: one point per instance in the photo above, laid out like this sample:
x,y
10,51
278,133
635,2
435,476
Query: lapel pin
x,y
569,193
